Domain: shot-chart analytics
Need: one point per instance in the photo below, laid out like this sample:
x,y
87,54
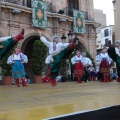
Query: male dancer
x,y
57,52
8,42
114,53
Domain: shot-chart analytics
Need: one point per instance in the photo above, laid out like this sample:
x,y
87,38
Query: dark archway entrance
x,y
27,49
81,47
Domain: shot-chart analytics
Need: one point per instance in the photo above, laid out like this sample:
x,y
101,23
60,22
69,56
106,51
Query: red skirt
x,y
104,68
78,69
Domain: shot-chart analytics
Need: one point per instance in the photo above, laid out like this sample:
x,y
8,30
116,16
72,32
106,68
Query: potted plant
x,y
38,60
6,70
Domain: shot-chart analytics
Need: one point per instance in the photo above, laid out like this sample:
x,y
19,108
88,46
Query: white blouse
x,y
76,58
87,61
59,46
117,51
101,56
23,58
2,39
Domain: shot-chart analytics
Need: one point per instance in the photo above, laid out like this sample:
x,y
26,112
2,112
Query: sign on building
x,y
39,14
79,22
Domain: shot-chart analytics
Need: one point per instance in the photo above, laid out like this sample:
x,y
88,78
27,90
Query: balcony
x,y
69,12
18,2
27,3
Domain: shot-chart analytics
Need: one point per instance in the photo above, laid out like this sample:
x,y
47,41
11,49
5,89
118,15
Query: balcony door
x,y
72,4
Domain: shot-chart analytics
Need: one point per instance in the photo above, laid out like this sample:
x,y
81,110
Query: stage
x,y
41,101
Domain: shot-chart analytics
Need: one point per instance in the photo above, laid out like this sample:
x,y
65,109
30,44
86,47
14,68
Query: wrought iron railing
x,y
27,3
18,2
69,12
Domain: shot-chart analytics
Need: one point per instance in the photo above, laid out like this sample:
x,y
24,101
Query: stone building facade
x,y
11,22
116,4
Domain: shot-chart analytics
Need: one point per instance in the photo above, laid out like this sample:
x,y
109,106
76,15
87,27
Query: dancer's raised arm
x,y
43,39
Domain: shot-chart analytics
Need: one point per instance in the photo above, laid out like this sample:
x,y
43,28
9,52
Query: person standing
x,y
114,53
92,73
87,63
103,60
16,60
78,62
57,52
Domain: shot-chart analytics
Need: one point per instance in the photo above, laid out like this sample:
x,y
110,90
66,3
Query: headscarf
x,y
54,37
84,54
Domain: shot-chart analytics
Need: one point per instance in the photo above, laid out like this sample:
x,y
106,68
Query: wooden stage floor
x,y
39,101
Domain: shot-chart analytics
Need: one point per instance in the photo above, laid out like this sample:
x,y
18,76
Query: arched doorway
x,y
80,46
27,49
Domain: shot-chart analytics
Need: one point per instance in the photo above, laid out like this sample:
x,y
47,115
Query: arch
x,y
27,45
33,32
83,42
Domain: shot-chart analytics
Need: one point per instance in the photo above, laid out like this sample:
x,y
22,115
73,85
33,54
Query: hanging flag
x,y
39,14
79,22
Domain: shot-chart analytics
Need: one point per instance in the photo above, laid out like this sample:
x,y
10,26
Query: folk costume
x,y
57,52
114,53
103,60
87,63
18,71
92,73
8,42
2,39
78,62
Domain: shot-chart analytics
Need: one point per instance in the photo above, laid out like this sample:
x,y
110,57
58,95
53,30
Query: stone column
x,y
92,44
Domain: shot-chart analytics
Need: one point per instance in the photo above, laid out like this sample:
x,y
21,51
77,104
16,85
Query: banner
x,y
78,22
39,14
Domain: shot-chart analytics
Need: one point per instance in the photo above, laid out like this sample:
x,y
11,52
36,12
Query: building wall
x,y
109,36
98,41
100,17
116,4
12,23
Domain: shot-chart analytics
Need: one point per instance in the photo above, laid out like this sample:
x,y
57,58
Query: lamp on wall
x,y
63,38
70,34
76,40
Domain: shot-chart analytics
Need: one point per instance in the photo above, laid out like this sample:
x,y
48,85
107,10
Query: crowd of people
x,y
84,70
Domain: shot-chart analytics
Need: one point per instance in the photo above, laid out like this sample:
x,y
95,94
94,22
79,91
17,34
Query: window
x,y
106,42
109,42
106,33
72,4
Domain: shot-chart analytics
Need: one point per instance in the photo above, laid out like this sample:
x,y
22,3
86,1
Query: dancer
x,y
87,63
57,52
103,60
114,53
18,72
92,73
78,62
8,42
